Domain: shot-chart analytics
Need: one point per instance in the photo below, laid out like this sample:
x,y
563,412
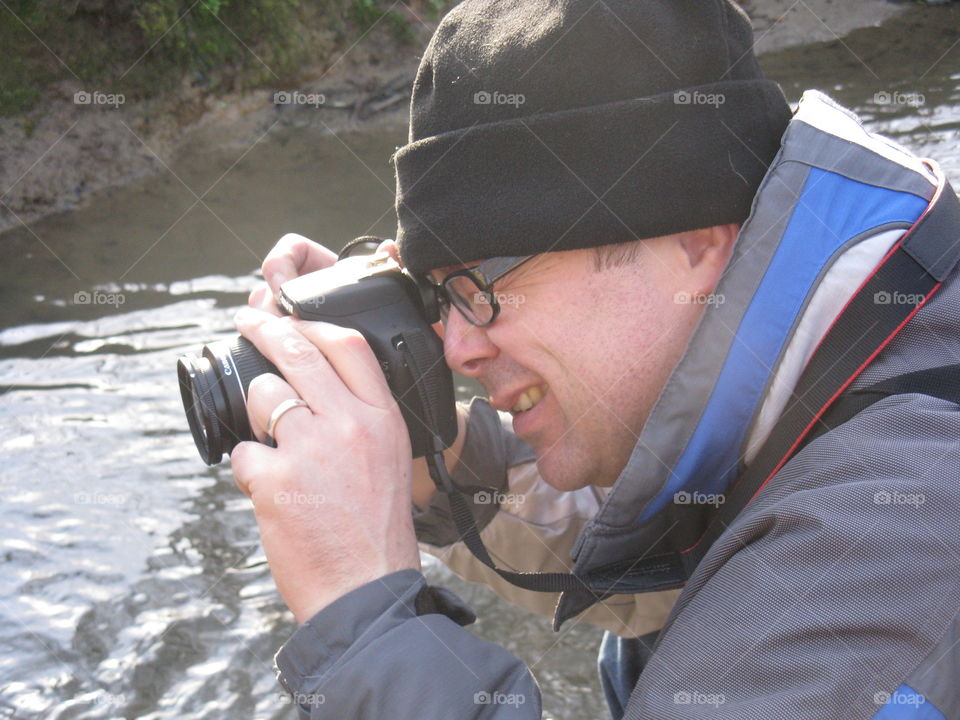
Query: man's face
x,y
598,345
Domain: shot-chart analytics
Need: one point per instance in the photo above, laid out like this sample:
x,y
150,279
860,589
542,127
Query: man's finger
x,y
390,247
293,256
301,363
262,298
264,395
353,360
249,461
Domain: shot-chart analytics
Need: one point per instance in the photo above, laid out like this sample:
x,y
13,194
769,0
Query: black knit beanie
x,y
540,125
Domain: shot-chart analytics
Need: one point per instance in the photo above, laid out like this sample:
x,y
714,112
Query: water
x,y
133,584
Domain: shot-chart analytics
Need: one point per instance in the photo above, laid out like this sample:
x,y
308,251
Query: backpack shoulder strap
x,y
918,264
942,382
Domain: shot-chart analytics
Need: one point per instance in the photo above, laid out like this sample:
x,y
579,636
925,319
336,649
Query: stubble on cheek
x,y
570,454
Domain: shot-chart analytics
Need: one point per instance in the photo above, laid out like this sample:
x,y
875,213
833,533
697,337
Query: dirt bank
x,y
86,139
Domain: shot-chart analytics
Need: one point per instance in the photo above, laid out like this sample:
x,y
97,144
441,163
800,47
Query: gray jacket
x,y
834,594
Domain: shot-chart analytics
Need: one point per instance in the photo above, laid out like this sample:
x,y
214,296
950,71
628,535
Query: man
x,y
679,250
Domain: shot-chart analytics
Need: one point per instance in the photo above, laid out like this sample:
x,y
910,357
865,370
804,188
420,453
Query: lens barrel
x,y
213,387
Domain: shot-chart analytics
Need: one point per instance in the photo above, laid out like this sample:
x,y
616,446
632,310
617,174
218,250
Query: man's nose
x,y
466,346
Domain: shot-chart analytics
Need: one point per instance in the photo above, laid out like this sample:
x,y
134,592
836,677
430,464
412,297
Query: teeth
x,y
535,394
528,398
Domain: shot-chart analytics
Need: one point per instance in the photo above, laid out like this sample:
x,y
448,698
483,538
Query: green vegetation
x,y
367,13
142,48
221,41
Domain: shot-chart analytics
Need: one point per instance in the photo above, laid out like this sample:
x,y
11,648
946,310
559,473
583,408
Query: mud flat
x,y
55,158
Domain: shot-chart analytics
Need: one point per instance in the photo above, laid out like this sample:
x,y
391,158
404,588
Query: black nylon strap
x,y
866,325
942,382
467,527
660,571
933,244
462,517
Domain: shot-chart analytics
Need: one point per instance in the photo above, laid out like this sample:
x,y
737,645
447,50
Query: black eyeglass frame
x,y
483,276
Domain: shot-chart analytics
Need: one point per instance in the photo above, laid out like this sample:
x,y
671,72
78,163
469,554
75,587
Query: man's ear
x,y
707,253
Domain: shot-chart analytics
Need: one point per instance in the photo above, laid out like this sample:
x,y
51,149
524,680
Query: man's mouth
x,y
529,398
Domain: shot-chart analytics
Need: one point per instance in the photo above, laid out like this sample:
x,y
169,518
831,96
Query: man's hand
x,y
333,498
293,256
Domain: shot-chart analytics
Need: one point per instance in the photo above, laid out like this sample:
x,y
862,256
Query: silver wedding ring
x,y
280,409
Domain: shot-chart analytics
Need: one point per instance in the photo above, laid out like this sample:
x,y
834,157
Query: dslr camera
x,y
369,293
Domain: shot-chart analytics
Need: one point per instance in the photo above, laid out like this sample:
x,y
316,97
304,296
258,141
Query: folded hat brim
x,y
588,176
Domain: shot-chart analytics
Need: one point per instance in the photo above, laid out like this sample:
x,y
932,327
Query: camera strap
x,y
917,265
414,352
467,527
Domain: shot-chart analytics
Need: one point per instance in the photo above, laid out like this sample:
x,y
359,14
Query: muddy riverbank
x,y
86,139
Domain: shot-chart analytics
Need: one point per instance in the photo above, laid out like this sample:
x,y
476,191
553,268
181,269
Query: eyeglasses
x,y
471,290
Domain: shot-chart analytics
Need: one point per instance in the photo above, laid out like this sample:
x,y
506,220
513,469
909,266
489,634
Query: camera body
x,y
370,294
393,312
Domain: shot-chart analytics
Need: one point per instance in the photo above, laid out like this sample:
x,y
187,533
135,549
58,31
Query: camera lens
x,y
213,387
